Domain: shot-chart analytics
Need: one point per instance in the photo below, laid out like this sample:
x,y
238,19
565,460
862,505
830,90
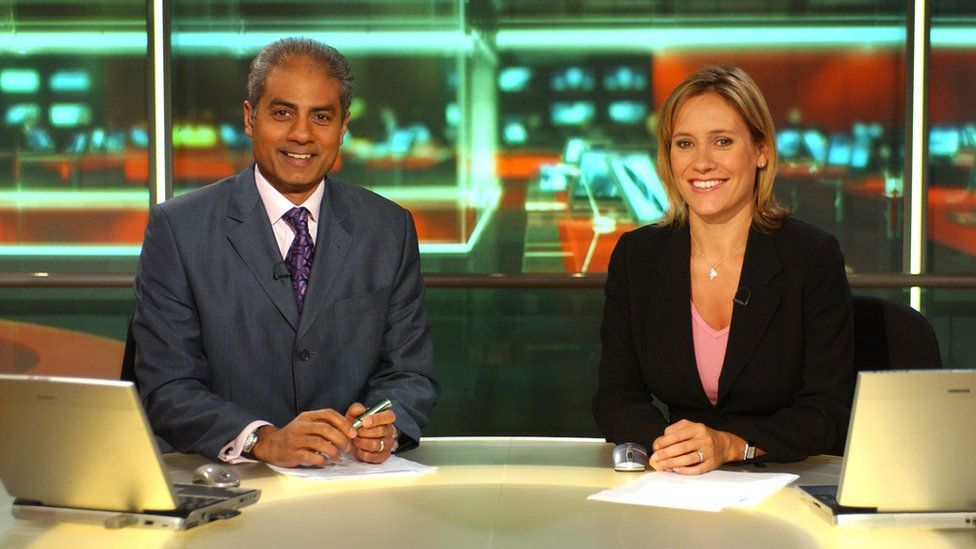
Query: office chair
x,y
128,372
889,335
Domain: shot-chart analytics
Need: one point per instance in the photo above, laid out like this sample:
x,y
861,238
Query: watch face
x,y
250,442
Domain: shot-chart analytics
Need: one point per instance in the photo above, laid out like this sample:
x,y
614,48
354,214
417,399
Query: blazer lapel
x,y
749,321
255,243
331,245
671,303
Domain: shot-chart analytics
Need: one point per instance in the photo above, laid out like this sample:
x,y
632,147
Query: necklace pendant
x,y
712,274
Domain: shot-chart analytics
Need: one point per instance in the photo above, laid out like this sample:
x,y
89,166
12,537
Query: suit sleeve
x,y
405,373
622,406
171,367
817,419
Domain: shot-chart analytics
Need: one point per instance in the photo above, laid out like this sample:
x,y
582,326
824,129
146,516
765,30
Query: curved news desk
x,y
487,492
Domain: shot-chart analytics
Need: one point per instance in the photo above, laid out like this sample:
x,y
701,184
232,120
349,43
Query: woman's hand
x,y
690,448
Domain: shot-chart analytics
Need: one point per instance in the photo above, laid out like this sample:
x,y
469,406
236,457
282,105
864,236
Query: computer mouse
x,y
629,456
216,475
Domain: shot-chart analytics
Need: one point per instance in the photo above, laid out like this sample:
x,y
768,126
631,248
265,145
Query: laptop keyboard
x,y
192,503
195,496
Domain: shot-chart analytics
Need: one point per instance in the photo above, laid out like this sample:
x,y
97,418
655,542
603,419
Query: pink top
x,y
710,347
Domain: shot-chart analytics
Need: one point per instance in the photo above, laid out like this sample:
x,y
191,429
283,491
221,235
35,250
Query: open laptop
x,y
82,450
909,455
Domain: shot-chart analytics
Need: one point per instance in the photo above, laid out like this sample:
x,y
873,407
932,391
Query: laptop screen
x,y
79,443
911,442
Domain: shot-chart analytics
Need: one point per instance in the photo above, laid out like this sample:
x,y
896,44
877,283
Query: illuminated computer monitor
x,y
572,78
70,80
627,112
77,144
97,139
39,140
816,144
514,129
860,155
19,113
866,131
788,144
943,141
969,136
115,141
624,78
574,149
19,81
233,137
643,193
514,79
839,153
69,115
572,113
595,175
139,137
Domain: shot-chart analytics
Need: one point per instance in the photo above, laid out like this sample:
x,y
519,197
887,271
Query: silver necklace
x,y
713,271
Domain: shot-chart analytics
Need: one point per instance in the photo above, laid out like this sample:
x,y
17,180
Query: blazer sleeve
x,y
405,373
170,365
819,414
622,407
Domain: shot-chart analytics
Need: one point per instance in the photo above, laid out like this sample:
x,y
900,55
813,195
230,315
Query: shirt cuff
x,y
231,452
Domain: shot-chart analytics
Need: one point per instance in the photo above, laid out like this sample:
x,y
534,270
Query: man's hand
x,y
690,448
376,438
312,439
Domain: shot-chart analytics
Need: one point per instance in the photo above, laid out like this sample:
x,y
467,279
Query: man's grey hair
x,y
281,52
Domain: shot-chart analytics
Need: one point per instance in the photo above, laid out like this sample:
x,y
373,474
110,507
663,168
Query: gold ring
x,y
382,446
701,456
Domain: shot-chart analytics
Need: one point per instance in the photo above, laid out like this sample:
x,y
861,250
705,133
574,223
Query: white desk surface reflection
x,y
487,492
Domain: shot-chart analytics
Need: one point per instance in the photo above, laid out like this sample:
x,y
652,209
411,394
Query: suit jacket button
x,y
304,355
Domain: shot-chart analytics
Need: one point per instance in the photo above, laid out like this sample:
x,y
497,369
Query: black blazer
x,y
788,377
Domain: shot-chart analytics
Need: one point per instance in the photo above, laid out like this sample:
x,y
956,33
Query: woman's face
x,y
714,160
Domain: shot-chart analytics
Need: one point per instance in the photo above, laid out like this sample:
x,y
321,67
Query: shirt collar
x,y
276,205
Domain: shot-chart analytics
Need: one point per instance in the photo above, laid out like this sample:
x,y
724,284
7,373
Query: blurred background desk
x,y
487,492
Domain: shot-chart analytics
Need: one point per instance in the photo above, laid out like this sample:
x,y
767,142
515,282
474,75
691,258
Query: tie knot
x,y
297,217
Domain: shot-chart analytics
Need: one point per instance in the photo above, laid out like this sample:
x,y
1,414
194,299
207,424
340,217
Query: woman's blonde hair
x,y
738,89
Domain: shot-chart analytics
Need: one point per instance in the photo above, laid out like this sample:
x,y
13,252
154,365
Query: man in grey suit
x,y
274,303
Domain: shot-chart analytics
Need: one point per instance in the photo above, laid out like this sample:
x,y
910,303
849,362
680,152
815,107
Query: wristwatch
x,y
749,452
249,443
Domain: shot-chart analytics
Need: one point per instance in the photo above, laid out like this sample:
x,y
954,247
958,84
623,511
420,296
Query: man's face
x,y
296,127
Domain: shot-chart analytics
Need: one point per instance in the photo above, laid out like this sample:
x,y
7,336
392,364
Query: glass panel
x,y
579,84
422,121
566,95
952,139
524,359
73,142
952,313
64,331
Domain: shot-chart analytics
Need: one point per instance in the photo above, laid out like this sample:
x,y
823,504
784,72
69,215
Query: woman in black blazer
x,y
727,330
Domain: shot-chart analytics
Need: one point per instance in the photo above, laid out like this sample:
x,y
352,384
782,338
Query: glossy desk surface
x,y
487,492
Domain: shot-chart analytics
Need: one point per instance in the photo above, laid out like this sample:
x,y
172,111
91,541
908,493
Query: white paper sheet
x,y
348,467
712,491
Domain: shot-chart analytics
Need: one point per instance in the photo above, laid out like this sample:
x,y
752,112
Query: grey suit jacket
x,y
220,342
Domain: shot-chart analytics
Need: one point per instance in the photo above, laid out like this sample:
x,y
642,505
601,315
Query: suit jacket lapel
x,y
749,322
331,245
254,241
671,303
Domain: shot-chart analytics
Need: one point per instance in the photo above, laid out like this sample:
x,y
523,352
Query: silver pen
x,y
381,406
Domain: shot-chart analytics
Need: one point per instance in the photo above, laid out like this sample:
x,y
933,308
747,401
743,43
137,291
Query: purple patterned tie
x,y
299,258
